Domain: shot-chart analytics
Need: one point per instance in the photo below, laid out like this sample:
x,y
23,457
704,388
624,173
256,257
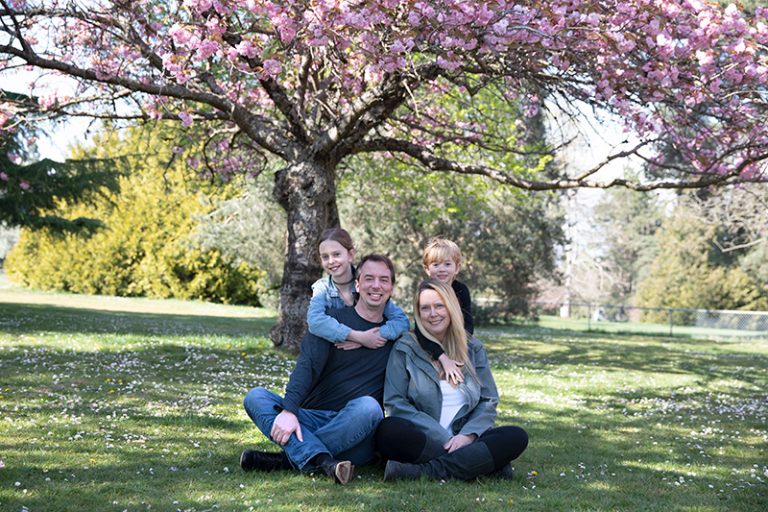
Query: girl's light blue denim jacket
x,y
325,296
412,390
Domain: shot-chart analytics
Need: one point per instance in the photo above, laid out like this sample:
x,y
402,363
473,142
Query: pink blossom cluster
x,y
688,71
17,4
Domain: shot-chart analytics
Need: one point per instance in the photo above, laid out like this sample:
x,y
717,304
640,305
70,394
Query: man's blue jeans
x,y
346,434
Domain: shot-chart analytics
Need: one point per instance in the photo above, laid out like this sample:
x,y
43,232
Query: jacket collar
x,y
333,290
409,345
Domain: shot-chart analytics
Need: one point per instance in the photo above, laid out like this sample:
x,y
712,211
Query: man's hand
x,y
285,424
369,339
348,345
458,441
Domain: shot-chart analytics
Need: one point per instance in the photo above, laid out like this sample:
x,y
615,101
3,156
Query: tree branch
x,y
610,158
301,91
257,127
738,247
371,110
436,163
276,93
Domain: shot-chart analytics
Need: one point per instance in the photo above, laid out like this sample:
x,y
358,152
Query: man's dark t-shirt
x,y
326,377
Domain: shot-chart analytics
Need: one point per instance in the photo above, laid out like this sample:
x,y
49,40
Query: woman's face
x,y
434,314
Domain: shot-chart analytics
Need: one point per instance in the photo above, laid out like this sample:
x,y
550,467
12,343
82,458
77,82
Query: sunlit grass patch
x,y
121,410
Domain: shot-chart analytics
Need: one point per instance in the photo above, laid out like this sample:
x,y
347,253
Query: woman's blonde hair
x,y
455,342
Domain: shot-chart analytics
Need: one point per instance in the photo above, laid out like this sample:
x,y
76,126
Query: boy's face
x,y
444,271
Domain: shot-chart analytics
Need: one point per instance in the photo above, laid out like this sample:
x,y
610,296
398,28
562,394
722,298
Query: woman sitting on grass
x,y
433,427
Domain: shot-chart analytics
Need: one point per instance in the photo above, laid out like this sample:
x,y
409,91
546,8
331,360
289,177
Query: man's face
x,y
374,284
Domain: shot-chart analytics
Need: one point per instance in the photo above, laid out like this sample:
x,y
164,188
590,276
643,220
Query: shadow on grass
x,y
29,318
707,360
597,464
618,475
533,330
617,329
179,377
609,460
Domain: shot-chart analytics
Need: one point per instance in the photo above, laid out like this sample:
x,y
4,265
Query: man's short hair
x,y
379,258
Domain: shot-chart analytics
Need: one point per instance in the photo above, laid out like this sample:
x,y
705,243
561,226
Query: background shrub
x,y
146,247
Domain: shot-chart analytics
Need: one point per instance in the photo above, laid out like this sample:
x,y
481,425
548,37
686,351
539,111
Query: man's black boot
x,y
342,471
264,461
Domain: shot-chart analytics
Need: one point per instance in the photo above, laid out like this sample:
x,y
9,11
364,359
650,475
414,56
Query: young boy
x,y
442,261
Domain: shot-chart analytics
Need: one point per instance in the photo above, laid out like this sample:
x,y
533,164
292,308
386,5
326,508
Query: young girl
x,y
338,290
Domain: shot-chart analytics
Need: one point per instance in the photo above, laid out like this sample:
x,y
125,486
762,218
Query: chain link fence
x,y
695,323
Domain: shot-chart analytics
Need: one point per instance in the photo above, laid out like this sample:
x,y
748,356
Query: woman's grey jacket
x,y
412,390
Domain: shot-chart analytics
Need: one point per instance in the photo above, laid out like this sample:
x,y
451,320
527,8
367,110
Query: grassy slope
x,y
116,404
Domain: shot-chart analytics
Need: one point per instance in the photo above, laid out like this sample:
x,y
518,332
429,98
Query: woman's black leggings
x,y
399,439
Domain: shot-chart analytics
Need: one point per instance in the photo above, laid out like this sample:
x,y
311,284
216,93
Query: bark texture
x,y
307,192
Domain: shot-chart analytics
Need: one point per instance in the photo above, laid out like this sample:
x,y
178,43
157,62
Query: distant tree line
x,y
703,250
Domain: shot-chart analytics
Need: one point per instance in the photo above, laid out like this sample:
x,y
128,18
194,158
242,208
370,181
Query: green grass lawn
x,y
584,324
116,404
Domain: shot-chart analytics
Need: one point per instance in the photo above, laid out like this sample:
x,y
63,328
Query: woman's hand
x,y
452,369
458,441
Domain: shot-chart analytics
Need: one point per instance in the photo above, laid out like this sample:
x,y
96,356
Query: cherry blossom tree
x,y
315,82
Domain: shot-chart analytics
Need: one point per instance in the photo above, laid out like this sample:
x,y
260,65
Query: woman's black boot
x,y
466,463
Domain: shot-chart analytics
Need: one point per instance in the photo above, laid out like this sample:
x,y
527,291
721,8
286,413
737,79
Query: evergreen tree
x,y
691,270
146,246
30,189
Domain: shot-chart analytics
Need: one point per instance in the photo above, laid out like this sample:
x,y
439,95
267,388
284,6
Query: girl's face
x,y
335,258
434,314
444,271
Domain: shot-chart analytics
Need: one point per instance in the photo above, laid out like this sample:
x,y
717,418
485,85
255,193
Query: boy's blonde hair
x,y
441,249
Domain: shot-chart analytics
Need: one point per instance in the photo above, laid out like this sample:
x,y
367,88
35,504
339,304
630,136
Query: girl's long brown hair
x,y
339,235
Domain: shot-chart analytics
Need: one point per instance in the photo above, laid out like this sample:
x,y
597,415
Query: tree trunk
x,y
307,192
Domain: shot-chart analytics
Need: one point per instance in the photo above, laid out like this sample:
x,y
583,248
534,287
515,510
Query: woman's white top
x,y
453,400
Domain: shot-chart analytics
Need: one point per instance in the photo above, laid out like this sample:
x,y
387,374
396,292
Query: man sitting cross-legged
x,y
332,402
